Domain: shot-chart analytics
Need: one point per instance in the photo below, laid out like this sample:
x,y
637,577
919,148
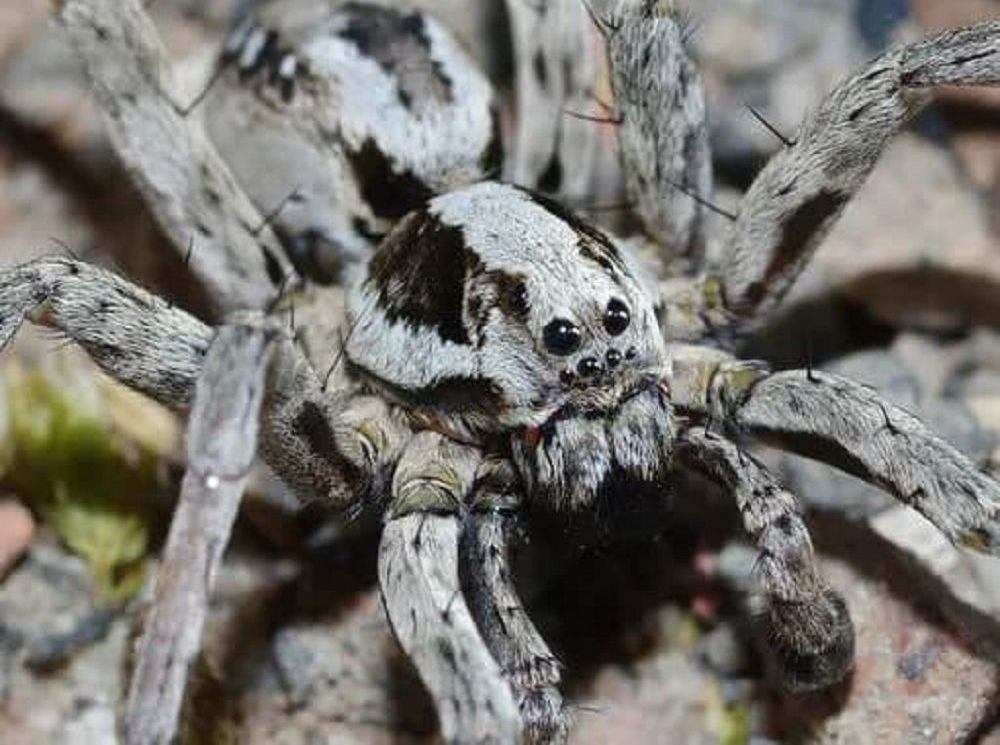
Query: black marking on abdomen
x,y
390,194
399,43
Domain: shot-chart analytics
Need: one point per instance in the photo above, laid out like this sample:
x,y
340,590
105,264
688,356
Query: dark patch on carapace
x,y
398,42
419,272
496,290
390,194
594,245
451,395
512,291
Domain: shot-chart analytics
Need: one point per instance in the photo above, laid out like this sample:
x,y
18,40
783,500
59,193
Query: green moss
x,y
63,459
728,721
736,725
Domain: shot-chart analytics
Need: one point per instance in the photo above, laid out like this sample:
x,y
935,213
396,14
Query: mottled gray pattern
x,y
387,109
557,72
531,669
663,132
418,574
809,636
221,444
795,200
538,366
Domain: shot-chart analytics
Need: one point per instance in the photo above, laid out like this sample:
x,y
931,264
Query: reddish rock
x,y
17,527
924,672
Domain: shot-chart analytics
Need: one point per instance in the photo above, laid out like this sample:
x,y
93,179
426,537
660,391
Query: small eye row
x,y
563,337
590,367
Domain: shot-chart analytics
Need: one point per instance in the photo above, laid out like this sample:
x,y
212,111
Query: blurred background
x,y
654,630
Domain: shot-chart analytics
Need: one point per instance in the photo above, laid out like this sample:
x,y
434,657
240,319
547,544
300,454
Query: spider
x,y
466,350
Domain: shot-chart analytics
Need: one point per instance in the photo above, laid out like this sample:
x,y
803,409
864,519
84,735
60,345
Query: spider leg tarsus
x,y
808,630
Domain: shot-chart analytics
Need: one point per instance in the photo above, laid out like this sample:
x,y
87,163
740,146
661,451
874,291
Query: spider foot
x,y
811,647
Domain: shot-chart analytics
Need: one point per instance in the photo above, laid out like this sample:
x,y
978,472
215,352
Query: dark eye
x,y
561,337
616,317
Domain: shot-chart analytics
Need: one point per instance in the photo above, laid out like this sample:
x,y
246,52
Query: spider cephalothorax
x,y
493,311
500,351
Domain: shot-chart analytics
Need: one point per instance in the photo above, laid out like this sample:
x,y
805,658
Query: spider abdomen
x,y
337,121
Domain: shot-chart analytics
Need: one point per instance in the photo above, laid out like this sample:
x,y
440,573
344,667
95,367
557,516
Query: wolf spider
x,y
499,353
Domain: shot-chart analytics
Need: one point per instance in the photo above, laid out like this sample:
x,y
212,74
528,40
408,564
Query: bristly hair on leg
x,y
768,126
606,26
185,111
463,345
666,159
797,198
293,195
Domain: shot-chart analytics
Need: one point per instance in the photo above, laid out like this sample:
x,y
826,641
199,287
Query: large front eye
x,y
561,337
616,317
